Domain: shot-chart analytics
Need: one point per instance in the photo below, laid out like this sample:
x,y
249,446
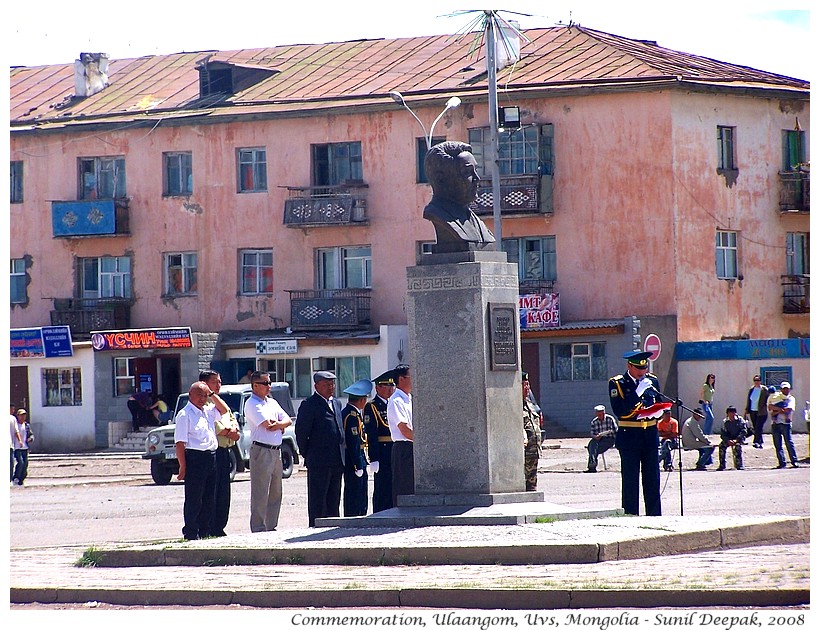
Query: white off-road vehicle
x,y
160,448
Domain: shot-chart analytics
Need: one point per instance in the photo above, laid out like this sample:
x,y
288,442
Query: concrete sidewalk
x,y
621,562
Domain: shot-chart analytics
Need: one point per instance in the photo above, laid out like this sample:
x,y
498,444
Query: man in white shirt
x,y
195,439
781,405
268,422
400,419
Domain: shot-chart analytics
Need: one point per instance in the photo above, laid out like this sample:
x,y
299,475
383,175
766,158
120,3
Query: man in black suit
x,y
320,438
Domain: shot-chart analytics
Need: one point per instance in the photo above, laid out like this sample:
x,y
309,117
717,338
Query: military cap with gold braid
x,y
387,378
638,358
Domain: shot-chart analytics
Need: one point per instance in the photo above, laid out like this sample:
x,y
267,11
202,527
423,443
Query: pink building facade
x,y
279,232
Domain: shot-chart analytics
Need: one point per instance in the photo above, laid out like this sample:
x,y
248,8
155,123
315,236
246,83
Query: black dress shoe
x,y
593,470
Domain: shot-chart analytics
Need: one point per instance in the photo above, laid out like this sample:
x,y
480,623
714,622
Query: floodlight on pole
x,y
452,103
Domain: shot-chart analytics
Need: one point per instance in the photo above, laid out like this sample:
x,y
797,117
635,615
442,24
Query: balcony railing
x,y
540,287
794,191
795,293
520,194
341,309
326,205
85,315
91,217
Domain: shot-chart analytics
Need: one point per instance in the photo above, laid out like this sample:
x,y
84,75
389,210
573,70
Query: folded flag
x,y
655,411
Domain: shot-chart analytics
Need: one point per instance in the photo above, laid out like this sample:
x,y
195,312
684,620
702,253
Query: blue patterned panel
x,y
83,218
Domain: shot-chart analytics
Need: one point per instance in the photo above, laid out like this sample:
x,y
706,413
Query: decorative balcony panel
x,y
794,191
326,205
97,217
84,315
519,195
795,293
338,309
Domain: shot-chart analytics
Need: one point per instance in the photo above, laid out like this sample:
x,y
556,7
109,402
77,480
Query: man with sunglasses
x,y
268,422
637,439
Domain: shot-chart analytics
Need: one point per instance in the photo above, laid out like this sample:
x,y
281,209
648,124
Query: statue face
x,y
465,184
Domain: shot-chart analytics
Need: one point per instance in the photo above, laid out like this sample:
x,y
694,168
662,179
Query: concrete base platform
x,y
443,514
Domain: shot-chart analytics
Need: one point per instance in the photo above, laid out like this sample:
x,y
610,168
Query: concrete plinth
x,y
462,312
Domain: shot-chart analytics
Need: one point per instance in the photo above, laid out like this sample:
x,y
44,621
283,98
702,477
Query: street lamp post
x,y
452,102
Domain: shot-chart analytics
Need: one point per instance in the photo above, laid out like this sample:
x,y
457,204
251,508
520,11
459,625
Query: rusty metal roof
x,y
364,71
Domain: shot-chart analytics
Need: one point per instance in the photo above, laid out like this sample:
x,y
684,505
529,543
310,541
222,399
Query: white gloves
x,y
643,385
359,472
374,467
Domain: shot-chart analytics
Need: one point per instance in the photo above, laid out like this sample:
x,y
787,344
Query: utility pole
x,y
490,26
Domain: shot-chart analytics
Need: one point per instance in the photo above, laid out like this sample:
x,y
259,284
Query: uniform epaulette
x,y
617,377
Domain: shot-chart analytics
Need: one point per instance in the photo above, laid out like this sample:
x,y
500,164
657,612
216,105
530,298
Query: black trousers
x,y
639,465
355,493
758,423
222,500
200,479
404,474
383,480
324,492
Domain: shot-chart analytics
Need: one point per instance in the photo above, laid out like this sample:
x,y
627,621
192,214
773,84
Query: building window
x,y
726,255
421,153
180,274
16,181
525,151
336,163
178,173
124,381
102,178
253,170
62,387
726,148
797,253
18,281
423,248
344,268
579,362
794,149
294,372
108,276
348,370
535,257
257,271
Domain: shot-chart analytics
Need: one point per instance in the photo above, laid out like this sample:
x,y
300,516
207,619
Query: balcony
x,y
794,191
539,287
329,309
91,217
85,315
313,206
520,194
795,294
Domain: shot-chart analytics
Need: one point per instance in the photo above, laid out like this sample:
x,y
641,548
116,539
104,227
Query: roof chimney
x,y
90,74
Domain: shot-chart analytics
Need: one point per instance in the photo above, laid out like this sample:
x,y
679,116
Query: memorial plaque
x,y
503,336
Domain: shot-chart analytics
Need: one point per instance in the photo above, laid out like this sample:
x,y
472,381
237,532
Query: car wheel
x,y
160,473
232,460
287,460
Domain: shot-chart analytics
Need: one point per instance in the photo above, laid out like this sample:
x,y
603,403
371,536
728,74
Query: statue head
x,y
450,168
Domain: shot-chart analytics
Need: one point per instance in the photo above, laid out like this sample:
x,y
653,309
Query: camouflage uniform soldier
x,y
532,436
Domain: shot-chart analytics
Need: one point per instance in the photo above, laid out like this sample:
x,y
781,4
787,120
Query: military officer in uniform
x,y
379,442
637,440
355,475
532,436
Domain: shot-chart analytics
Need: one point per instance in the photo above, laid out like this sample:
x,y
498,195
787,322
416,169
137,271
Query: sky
x,y
772,36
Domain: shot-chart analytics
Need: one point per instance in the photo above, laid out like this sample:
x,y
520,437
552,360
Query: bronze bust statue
x,y
451,170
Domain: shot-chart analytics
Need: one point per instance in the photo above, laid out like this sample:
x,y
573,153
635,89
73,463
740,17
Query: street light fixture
x,y
452,103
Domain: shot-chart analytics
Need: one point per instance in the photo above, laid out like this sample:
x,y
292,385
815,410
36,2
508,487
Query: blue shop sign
x,y
46,342
743,349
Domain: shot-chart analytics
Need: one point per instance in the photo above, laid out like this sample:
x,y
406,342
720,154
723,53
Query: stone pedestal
x,y
462,311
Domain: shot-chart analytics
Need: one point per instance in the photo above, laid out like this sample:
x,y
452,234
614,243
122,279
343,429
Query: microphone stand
x,y
679,404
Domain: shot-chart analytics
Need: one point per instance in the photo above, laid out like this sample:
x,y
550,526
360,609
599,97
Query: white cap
x,y
785,384
599,408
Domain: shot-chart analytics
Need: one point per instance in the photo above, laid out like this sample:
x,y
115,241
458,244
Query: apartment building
x,y
258,209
